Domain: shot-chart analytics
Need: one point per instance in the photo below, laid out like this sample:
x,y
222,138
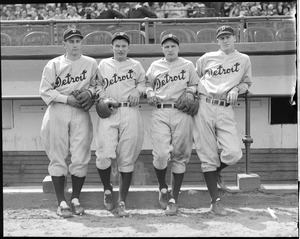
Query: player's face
x,y
170,50
120,49
73,46
226,42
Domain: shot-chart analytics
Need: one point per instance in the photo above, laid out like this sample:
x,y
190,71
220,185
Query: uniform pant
x,y
120,137
65,128
215,128
171,137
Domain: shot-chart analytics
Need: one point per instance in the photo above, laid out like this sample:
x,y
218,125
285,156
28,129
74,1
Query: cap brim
x,y
223,33
169,39
74,35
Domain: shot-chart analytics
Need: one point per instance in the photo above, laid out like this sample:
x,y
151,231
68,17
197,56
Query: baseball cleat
x,y
64,210
76,207
217,208
108,200
171,208
120,210
163,198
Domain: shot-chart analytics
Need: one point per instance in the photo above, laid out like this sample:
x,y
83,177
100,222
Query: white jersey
x,y
118,79
169,80
61,76
220,72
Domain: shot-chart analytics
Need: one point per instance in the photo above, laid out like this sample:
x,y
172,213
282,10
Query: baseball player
x,y
171,128
119,137
224,74
66,126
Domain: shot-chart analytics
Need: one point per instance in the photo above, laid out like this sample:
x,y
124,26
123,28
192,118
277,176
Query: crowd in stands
x,y
112,10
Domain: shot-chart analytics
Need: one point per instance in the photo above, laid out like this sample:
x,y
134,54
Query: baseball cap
x,y
120,35
170,37
71,33
225,30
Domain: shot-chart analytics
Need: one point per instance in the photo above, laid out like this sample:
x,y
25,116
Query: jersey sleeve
x,y
94,76
99,87
193,81
199,66
140,84
246,81
149,80
47,90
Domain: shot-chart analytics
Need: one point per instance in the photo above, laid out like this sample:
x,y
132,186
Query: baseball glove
x,y
187,105
105,107
84,98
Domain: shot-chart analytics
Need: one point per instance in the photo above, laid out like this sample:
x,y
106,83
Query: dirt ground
x,y
34,215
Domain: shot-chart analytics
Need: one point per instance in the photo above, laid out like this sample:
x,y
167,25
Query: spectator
x,y
138,11
286,10
58,14
105,13
155,8
28,8
36,16
80,10
175,10
51,14
115,6
73,14
18,11
189,9
235,11
44,14
8,15
28,17
90,13
199,11
244,11
254,11
64,13
225,9
270,9
165,9
23,15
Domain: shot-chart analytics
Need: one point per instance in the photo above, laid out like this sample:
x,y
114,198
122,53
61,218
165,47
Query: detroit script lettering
x,y
220,70
167,78
115,78
69,79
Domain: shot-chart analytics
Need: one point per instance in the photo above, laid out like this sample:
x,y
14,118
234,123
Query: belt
x,y
215,101
124,104
170,105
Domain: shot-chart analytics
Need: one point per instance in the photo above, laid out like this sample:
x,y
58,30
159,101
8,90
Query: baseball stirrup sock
x,y
125,180
161,177
177,182
77,184
105,178
59,186
211,183
222,166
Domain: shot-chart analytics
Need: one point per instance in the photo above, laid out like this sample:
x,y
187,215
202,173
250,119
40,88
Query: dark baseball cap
x,y
225,30
170,37
120,35
72,33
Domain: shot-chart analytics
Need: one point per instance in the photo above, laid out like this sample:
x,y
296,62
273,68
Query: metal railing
x,y
148,25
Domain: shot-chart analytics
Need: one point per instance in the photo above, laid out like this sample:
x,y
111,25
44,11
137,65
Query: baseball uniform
x,y
121,135
171,129
65,127
215,126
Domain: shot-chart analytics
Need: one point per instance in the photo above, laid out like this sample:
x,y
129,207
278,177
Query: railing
x,y
56,27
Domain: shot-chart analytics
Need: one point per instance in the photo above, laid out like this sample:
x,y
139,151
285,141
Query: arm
x,y
117,14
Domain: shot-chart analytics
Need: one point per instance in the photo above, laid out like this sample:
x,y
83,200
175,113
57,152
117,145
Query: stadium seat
x,y
97,38
36,39
207,35
5,39
286,34
183,36
136,36
259,34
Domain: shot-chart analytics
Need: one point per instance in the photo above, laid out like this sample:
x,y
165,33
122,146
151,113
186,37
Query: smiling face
x,y
226,42
170,50
120,48
73,47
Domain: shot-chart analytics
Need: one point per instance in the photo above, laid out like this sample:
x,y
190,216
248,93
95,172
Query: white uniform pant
x,y
65,128
215,128
120,137
171,137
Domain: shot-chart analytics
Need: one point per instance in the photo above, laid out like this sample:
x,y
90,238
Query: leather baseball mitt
x,y
84,98
187,105
105,107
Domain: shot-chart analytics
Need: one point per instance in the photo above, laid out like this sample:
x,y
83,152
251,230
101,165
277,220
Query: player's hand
x,y
84,98
73,102
151,97
232,95
134,97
